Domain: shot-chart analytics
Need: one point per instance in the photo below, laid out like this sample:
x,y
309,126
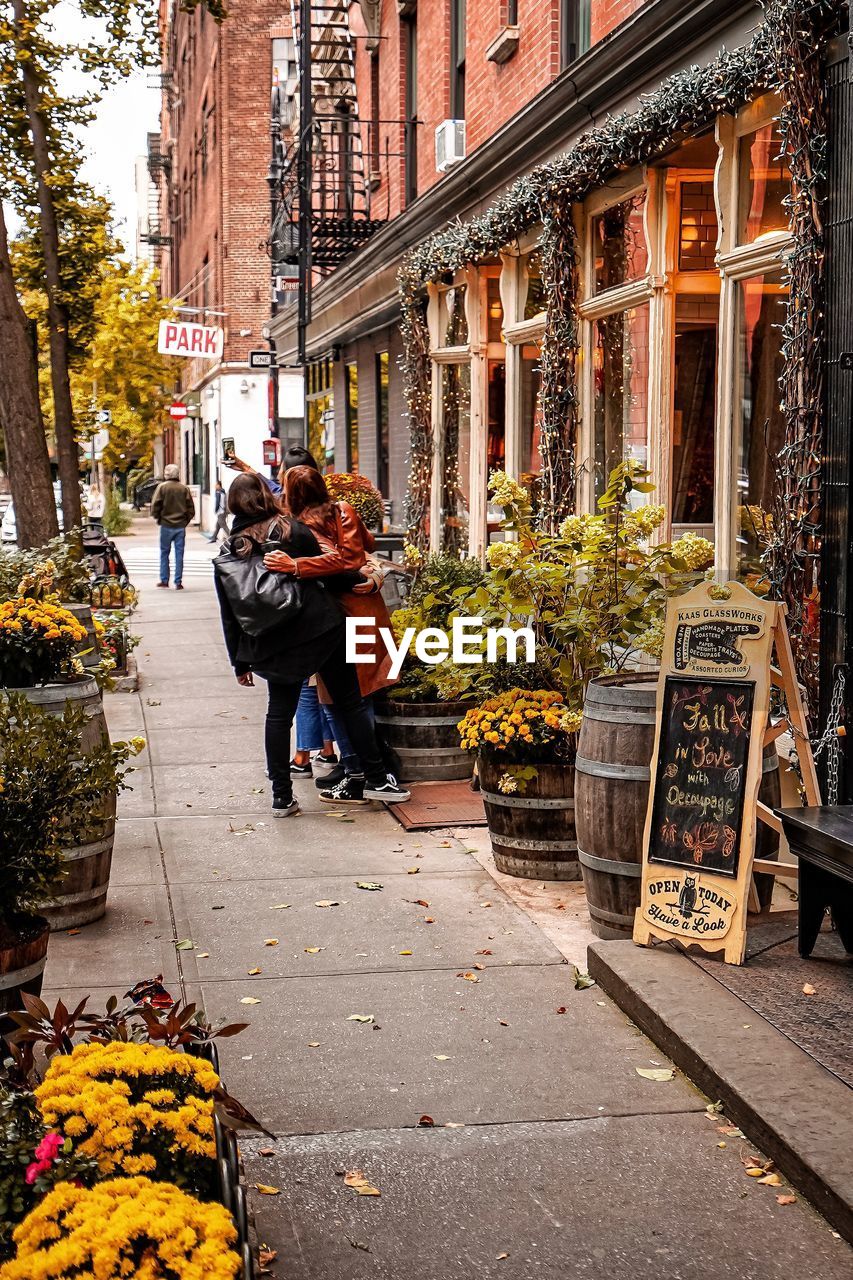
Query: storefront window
x,y
536,301
696,317
382,423
530,462
762,301
352,416
321,415
764,183
619,243
697,242
453,324
494,310
456,453
621,369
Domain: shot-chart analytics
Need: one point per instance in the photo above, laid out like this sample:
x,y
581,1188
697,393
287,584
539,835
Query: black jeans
x,y
341,680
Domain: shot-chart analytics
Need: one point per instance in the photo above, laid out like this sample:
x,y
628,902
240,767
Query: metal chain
x,y
830,741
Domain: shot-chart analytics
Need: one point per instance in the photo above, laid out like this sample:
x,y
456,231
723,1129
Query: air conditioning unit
x,y
449,144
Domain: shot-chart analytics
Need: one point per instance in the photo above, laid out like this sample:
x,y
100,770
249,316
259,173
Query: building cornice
x,y
645,48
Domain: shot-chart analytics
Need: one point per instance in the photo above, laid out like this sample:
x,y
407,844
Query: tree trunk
x,y
57,315
20,415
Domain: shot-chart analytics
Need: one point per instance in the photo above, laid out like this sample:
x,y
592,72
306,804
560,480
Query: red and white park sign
x,y
181,338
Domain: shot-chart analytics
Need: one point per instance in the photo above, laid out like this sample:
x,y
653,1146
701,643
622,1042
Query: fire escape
x,y
159,168
319,185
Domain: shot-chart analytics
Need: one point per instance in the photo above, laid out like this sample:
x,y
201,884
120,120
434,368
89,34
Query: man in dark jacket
x,y
173,509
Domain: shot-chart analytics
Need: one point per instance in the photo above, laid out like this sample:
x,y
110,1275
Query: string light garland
x,y
784,54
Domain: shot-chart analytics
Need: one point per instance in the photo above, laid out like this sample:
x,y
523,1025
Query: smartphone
x,y
227,448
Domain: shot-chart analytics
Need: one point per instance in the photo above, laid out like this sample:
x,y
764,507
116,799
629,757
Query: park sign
x,y
182,338
712,726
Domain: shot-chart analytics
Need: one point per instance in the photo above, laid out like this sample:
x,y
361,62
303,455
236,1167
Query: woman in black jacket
x,y
311,641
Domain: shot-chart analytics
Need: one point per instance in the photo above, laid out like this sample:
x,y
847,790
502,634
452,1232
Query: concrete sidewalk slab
x,y
543,1065
629,1198
366,933
136,854
796,1111
134,940
172,710
221,742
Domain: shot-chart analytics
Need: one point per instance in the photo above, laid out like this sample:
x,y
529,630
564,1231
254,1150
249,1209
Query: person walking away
x,y
219,516
312,638
96,504
345,543
173,508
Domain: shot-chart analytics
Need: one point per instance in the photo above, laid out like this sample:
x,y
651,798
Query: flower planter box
x,y
422,740
532,831
22,961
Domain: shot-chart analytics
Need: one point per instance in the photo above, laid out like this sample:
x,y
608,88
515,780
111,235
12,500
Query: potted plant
x,y
346,486
418,717
57,571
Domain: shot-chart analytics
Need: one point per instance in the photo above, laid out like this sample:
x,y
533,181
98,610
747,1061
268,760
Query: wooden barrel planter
x,y
422,741
83,691
80,894
612,795
533,831
23,954
87,650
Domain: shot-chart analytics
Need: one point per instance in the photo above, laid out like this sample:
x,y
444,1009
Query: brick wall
x,y
605,16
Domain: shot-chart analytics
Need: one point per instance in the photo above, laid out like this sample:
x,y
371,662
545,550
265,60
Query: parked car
x,y
144,492
9,527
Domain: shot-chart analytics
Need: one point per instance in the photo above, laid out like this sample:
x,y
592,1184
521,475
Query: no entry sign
x,y
180,338
178,410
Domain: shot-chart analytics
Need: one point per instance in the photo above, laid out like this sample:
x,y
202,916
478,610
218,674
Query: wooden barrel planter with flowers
x,y
612,795
82,691
23,954
421,740
532,830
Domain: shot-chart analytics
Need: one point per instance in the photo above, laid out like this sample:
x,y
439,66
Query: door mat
x,y
440,804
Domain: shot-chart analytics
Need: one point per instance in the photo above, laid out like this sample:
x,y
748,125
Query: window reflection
x,y
764,183
621,372
454,324
694,391
456,453
535,300
494,310
697,240
530,462
619,243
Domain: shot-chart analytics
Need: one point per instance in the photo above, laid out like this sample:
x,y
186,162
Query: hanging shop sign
x,y
713,706
181,338
178,409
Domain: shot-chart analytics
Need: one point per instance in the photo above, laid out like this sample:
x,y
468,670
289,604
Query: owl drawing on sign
x,y
687,897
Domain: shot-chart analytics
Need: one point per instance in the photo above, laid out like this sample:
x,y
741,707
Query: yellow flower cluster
x,y
39,619
119,1102
695,551
650,640
645,520
503,555
507,492
574,528
406,617
127,1227
412,555
519,717
507,784
39,581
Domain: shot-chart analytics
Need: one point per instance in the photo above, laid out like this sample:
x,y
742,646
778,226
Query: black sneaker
x,y
300,770
389,791
283,807
349,791
335,775
324,766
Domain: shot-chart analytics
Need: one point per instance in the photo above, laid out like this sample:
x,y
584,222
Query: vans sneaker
x,y
389,791
282,808
324,766
300,770
349,791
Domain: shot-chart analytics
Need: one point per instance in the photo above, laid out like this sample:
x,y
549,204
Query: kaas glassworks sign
x,y
712,712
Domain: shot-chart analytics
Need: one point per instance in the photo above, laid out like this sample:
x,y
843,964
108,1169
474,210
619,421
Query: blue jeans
x,y
170,537
313,723
349,759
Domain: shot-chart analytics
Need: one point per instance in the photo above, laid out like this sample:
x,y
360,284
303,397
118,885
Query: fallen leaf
x,y
582,980
418,902
770,1180
445,844
266,1256
203,955
270,942
72,932
469,977
426,1122
360,1017
562,1009
714,1108
355,1178
808,990
250,1000
441,1057
721,1145
313,1044
655,1073
502,1023
429,920
253,972
786,1199
412,871
755,1172
485,952
267,1151
451,1124
186,944
312,951
280,906
267,1191
359,1244
485,904
372,885
327,902
479,966
500,1257
404,953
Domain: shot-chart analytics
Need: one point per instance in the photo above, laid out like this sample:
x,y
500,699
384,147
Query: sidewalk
x,y
550,1156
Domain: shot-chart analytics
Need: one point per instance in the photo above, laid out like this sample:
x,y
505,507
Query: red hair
x,y
303,488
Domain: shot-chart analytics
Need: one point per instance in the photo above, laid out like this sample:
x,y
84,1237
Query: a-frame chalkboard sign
x,y
713,704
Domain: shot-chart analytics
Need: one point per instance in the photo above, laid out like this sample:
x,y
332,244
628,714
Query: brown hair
x,y
249,496
304,488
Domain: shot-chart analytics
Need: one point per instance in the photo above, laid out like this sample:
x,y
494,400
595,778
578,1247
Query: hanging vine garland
x,y
788,41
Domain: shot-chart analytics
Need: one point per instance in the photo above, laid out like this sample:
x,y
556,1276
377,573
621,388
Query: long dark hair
x,y
249,497
303,488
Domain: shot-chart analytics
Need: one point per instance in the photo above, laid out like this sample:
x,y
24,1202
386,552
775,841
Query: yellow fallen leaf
x,y
808,989
441,1057
485,904
469,977
203,955
454,1124
270,942
655,1073
500,1257
771,1180
312,951
280,906
250,1000
786,1199
479,966
267,1191
721,1144
404,953
360,1017
355,1178
412,871
326,902
313,1044
252,972
755,1172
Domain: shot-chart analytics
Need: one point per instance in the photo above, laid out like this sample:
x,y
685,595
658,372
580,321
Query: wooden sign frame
x,y
715,643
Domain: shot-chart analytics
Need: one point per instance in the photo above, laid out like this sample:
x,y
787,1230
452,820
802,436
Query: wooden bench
x,y
821,837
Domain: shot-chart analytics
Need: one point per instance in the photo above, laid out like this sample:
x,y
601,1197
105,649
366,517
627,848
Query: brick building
x,y
211,224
